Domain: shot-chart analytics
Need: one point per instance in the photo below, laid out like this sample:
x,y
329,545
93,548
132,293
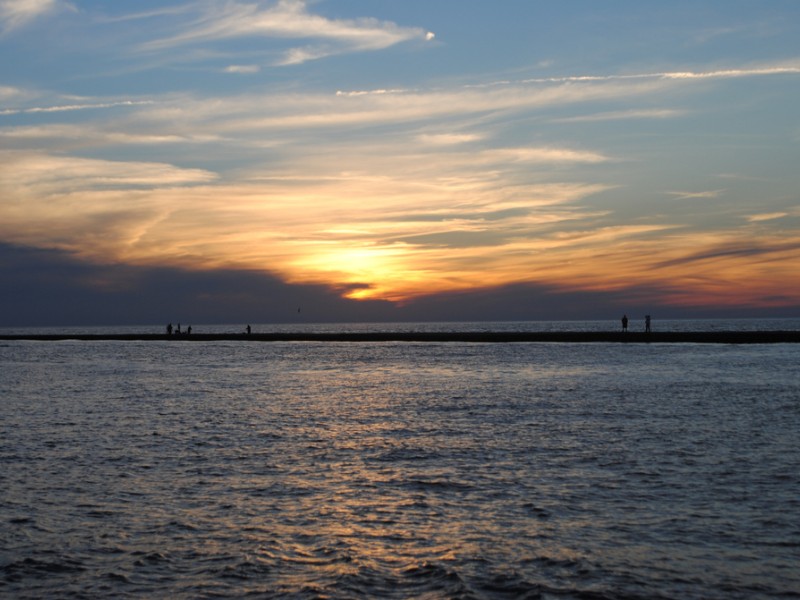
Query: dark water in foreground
x,y
307,470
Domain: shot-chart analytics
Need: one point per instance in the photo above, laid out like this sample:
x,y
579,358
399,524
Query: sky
x,y
246,160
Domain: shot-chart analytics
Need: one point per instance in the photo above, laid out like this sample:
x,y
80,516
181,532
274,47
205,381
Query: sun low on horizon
x,y
402,150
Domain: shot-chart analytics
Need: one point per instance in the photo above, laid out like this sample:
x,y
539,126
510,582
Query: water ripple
x,y
398,470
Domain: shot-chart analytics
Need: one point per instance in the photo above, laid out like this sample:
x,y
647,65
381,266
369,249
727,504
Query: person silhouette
x,y
647,323
248,330
624,322
169,329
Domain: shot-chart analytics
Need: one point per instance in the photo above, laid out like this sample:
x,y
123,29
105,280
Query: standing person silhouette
x,y
248,330
647,323
624,322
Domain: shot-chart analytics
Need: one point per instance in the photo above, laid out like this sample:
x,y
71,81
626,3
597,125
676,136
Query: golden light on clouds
x,y
382,237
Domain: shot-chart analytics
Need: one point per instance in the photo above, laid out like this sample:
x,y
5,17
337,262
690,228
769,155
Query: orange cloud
x,y
384,237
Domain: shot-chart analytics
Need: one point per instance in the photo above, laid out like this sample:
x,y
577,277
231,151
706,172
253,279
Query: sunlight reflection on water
x,y
398,469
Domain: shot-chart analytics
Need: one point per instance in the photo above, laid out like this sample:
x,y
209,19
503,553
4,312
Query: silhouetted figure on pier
x,y
169,329
647,323
248,330
189,330
624,322
178,329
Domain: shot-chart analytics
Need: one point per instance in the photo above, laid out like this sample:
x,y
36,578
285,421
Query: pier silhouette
x,y
664,337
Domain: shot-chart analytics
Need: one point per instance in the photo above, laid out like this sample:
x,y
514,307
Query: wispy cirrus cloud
x,y
791,67
786,69
8,92
766,217
734,250
542,155
288,19
313,110
97,136
159,13
448,139
707,194
622,115
243,69
28,171
18,13
57,108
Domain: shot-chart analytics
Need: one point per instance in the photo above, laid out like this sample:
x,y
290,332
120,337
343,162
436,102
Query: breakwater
x,y
667,337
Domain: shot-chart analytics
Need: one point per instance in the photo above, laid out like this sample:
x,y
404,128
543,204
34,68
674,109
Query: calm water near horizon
x,y
375,470
636,324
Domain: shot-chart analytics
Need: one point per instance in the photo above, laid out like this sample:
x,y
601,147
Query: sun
x,y
367,271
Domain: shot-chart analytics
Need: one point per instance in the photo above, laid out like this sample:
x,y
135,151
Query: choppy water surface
x,y
174,469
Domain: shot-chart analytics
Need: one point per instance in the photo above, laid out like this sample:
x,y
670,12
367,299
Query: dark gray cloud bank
x,y
52,288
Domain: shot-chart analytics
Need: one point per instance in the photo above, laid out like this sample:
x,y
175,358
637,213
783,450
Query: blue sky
x,y
396,151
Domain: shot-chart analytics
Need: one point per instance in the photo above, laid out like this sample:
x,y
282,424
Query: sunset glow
x,y
343,147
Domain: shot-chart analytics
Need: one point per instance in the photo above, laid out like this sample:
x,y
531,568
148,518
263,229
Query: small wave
x,y
536,511
246,571
510,585
405,454
548,561
21,520
32,567
117,578
425,580
150,558
100,514
429,570
432,577
436,485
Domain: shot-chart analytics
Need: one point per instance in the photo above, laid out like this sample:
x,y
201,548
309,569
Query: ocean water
x,y
399,470
636,324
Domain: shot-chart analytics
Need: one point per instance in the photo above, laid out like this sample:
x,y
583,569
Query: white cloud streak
x,y
624,115
766,217
243,69
74,107
18,13
728,73
41,172
709,194
97,136
788,68
289,19
448,139
8,92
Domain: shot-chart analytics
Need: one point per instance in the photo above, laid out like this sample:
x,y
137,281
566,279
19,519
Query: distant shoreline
x,y
666,337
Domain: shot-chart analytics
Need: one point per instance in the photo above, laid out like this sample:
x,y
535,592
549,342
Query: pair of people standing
x,y
646,323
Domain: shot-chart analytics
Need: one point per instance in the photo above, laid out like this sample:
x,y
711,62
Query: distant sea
x,y
636,324
164,469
